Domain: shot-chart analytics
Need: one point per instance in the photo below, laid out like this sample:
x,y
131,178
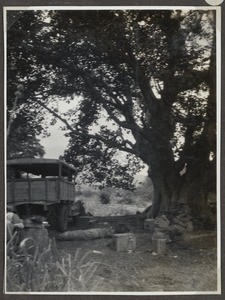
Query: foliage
x,y
104,198
101,165
149,73
22,141
22,129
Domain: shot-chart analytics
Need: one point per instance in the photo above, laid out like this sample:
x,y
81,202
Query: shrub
x,y
87,193
104,198
128,200
126,197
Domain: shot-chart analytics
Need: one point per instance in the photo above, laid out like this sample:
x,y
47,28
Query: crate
x,y
122,242
159,246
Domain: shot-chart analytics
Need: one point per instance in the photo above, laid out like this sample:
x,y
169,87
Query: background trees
x,y
150,75
24,122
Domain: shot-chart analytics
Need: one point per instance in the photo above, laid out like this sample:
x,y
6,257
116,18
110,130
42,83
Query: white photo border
x,y
217,9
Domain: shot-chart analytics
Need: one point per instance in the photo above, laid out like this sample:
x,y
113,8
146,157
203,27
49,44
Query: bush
x,y
125,197
88,192
129,200
104,198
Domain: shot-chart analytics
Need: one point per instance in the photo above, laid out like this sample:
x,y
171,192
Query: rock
x,y
161,228
176,232
162,224
181,223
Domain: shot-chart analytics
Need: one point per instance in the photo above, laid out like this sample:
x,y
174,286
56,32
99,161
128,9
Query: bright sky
x,y
56,143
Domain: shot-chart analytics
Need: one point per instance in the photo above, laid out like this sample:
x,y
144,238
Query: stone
x,y
161,228
162,223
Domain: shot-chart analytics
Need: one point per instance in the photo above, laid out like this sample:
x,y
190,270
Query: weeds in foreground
x,y
47,271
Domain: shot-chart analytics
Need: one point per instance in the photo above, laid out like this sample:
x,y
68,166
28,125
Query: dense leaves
x,y
24,121
101,165
22,140
149,74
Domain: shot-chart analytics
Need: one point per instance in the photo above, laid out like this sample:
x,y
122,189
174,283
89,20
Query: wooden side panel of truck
x,y
46,190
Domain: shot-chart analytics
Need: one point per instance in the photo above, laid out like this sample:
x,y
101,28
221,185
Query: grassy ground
x,y
121,202
93,266
183,268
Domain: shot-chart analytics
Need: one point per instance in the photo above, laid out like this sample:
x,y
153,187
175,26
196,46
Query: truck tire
x,y
63,218
52,216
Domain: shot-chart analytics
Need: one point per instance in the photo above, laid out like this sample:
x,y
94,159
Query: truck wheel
x,y
63,218
52,216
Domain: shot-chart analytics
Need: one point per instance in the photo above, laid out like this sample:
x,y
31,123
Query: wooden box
x,y
124,242
159,246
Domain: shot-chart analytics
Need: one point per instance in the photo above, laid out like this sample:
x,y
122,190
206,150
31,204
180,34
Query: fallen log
x,y
89,234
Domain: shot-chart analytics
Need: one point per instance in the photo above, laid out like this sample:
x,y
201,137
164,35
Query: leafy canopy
x,y
145,71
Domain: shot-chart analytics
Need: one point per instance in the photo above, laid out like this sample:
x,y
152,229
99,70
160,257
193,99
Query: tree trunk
x,y
192,189
166,195
173,189
166,183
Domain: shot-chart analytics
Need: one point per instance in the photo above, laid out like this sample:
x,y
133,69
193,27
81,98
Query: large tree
x,y
149,73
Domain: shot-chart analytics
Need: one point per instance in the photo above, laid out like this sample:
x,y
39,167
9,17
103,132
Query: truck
x,y
44,187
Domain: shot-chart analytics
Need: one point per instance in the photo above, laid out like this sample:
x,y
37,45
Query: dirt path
x,y
183,268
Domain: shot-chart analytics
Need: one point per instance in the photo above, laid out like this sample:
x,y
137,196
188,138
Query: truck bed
x,y
39,190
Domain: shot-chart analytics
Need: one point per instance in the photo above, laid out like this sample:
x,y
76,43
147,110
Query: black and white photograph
x,y
112,150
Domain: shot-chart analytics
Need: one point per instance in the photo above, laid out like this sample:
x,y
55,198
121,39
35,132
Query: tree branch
x,y
125,108
109,142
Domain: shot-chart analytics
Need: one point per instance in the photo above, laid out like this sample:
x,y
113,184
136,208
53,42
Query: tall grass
x,y
47,271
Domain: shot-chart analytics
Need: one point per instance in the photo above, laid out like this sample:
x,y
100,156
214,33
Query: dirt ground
x,y
186,267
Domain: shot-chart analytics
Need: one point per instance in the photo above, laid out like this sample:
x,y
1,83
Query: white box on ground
x,y
124,242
